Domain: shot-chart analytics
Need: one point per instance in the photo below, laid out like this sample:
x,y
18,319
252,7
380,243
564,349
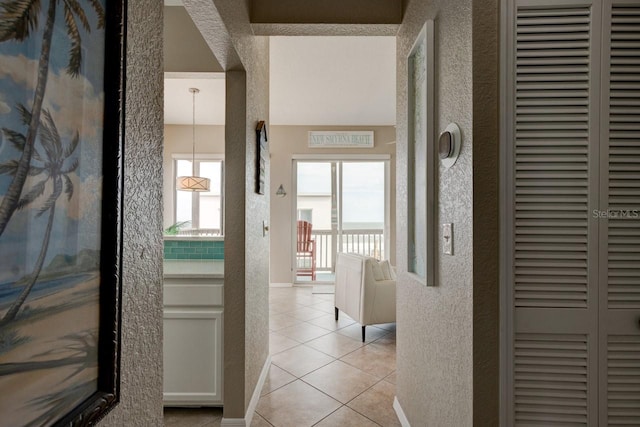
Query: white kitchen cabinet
x,y
193,340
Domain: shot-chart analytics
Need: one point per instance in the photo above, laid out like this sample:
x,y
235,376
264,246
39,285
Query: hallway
x,y
321,373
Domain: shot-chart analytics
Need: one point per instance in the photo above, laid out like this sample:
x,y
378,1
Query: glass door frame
x,y
339,159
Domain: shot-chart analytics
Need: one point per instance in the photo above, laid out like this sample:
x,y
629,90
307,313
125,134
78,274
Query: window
x,y
203,210
347,201
305,215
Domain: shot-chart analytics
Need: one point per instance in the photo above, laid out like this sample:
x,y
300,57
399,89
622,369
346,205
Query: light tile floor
x,y
321,373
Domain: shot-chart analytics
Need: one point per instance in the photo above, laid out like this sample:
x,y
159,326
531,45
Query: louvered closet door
x,y
620,228
555,254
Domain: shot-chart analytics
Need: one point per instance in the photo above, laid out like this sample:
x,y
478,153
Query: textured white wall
x,y
435,325
256,283
448,335
141,374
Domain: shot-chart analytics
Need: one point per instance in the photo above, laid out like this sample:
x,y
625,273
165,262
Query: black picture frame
x,y
261,157
107,396
93,407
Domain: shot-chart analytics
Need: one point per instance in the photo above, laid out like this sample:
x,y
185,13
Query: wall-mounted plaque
x,y
341,139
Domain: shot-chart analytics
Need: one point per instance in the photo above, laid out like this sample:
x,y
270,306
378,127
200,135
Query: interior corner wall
x,y
225,26
141,352
256,216
236,148
435,325
286,141
246,342
178,140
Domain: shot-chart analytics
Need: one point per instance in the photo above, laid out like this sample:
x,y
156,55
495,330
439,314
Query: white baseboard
x,y
256,391
404,422
280,285
246,421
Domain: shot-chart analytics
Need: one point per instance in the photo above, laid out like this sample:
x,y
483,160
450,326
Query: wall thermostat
x,y
449,145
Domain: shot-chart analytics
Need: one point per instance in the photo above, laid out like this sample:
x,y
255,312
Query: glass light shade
x,y
193,183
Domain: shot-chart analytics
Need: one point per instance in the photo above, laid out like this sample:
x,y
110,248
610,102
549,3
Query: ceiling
x,y
314,80
332,80
180,31
178,101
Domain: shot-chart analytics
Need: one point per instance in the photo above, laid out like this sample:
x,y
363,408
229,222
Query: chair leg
x,y
337,312
363,332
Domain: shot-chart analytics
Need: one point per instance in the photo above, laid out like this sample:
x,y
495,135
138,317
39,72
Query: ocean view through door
x,y
346,204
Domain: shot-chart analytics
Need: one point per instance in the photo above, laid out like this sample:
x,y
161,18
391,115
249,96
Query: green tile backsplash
x,y
190,249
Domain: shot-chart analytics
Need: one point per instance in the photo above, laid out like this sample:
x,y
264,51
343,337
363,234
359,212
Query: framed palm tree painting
x,y
61,147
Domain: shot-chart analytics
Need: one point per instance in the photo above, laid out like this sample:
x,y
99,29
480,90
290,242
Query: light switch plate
x,y
447,238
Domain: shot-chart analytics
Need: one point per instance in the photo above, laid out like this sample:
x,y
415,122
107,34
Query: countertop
x,y
195,238
193,269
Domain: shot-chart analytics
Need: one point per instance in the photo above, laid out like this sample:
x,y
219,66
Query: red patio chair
x,y
306,251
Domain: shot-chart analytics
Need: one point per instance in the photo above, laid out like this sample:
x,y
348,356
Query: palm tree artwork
x,y
53,166
46,202
18,19
52,75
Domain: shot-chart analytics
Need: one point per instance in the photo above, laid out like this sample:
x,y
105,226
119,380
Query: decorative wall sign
x,y
341,139
61,180
261,157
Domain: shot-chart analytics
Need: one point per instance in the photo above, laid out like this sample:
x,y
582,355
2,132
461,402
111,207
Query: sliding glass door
x,y
345,203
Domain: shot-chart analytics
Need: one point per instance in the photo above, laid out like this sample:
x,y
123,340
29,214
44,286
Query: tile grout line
x,y
355,410
350,400
264,418
386,333
328,415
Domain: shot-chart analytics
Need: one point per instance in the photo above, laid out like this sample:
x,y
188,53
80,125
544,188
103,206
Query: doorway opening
x,y
345,202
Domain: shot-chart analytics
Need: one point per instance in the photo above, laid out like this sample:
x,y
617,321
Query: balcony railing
x,y
369,242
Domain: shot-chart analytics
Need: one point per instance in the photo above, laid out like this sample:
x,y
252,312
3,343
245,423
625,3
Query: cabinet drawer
x,y
193,295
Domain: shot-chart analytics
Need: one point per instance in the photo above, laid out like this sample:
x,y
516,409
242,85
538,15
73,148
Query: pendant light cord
x,y
193,150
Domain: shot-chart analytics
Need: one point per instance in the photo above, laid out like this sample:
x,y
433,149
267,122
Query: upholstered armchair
x,y
365,290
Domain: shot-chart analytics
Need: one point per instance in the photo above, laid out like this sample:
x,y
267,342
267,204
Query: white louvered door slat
x,y
554,265
574,172
622,381
551,379
624,159
552,137
620,227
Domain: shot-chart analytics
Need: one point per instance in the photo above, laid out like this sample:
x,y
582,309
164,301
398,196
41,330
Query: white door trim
x,y
340,157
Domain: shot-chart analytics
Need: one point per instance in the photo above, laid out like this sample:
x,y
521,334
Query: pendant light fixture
x,y
193,182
